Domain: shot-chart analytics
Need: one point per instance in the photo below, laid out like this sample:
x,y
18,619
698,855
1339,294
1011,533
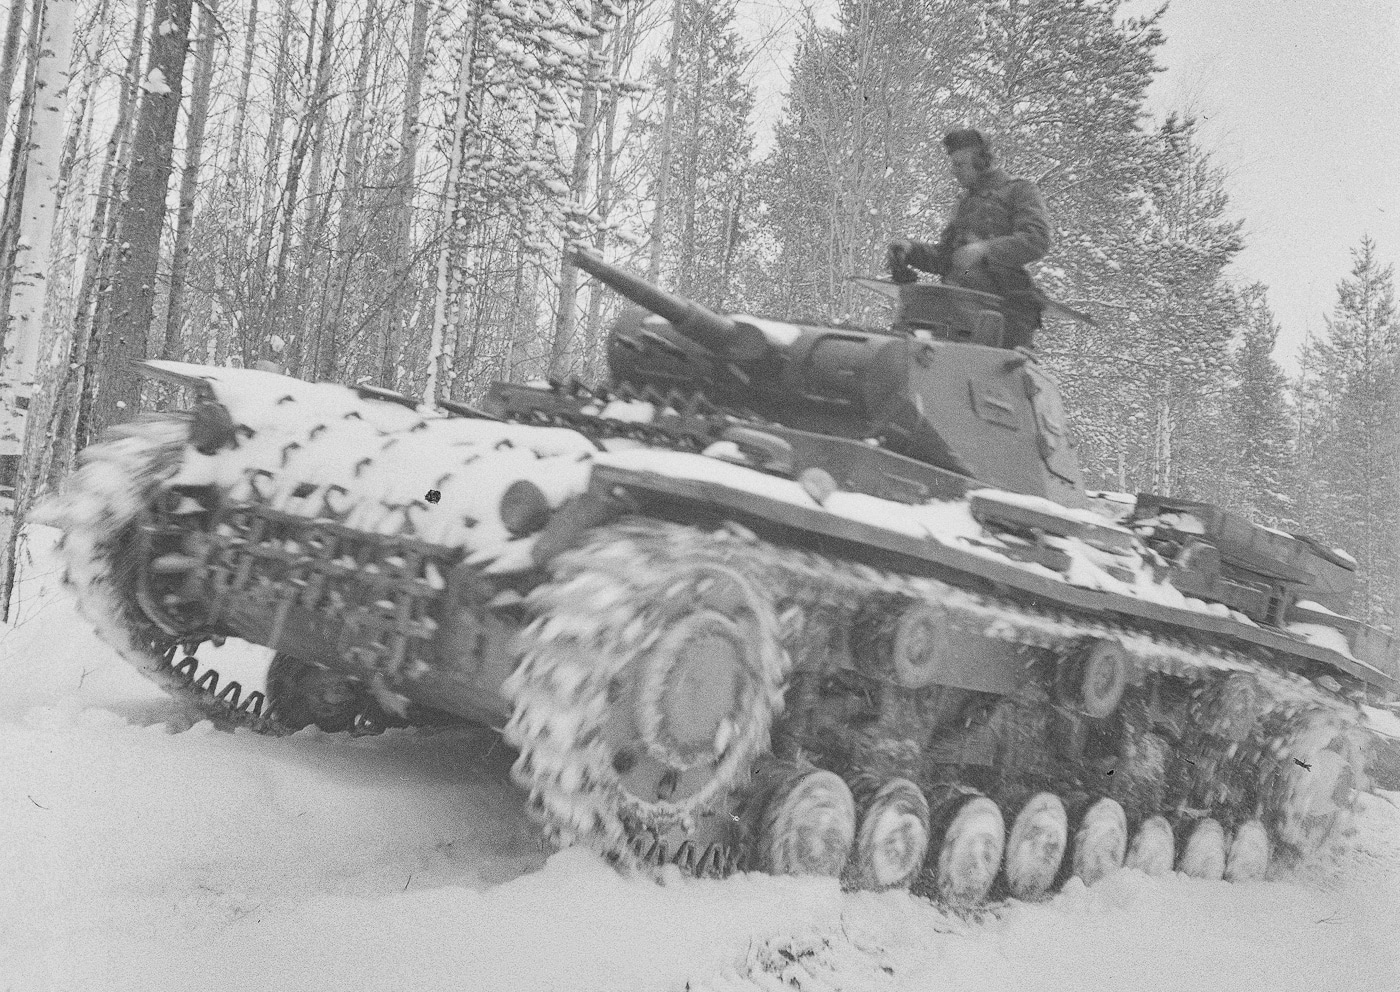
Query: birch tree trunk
x,y
143,215
442,343
42,156
14,188
566,317
401,244
42,150
624,41
189,179
9,57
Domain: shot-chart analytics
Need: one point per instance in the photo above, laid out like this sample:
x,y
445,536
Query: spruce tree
x,y
701,201
1260,428
1348,433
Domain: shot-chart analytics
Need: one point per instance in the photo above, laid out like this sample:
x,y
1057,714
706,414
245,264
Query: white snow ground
x,y
137,852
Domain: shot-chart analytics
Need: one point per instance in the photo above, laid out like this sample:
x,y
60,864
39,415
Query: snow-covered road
x,y
139,853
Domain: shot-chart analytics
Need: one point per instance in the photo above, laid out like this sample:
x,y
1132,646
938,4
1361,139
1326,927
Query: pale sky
x,y
1300,104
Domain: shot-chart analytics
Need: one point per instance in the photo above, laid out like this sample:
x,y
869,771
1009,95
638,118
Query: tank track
x,y
575,797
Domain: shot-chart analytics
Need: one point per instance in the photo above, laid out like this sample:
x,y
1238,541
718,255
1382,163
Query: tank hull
x,y
703,659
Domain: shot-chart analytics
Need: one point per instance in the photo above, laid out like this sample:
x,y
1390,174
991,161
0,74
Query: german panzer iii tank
x,y
788,598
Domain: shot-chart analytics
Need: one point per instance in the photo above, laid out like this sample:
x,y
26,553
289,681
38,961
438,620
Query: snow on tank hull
x,y
706,663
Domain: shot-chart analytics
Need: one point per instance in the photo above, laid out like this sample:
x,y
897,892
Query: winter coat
x,y
1009,215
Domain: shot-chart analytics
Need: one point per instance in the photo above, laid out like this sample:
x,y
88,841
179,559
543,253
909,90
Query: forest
x,y
384,192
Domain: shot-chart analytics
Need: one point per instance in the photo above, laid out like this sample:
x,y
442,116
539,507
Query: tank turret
x,y
935,386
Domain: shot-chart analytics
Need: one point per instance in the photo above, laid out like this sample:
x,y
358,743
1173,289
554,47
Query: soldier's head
x,y
969,154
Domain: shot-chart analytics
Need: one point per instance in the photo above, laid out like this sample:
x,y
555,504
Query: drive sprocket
x,y
649,683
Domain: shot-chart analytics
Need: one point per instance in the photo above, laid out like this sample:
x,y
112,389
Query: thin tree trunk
x,y
663,168
189,180
49,417
690,193
442,344
566,317
256,297
301,142
93,298
143,214
240,109
9,57
42,148
314,225
624,43
68,373
42,190
348,217
214,332
14,192
400,244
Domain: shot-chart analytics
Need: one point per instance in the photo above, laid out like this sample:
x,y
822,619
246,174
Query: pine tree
x,y
1348,436
1261,431
699,186
855,158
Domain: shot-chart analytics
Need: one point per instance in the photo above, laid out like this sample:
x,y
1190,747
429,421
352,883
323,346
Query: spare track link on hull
x,y
594,598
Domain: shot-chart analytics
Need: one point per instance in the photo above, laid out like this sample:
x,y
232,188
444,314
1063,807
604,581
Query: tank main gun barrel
x,y
716,332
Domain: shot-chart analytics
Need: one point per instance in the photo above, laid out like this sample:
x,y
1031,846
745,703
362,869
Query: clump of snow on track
x,y
142,853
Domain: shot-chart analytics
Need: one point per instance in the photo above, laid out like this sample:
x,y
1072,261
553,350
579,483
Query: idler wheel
x,y
1248,859
1318,786
892,839
1204,856
303,694
1100,841
1153,851
970,850
808,825
1036,847
1093,681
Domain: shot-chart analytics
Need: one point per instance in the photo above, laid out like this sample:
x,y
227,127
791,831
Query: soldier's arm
x,y
1029,239
935,258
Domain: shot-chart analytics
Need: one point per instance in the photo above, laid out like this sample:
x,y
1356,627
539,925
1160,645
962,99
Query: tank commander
x,y
999,226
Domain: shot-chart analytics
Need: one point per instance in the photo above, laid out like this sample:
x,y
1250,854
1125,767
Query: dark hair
x,y
969,137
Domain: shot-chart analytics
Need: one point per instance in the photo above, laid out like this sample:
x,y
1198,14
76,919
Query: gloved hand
x,y
895,261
